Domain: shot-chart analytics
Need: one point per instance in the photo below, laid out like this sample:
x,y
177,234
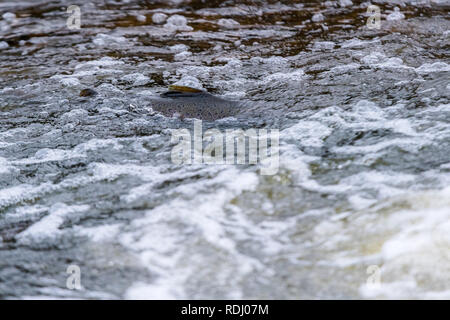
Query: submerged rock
x,y
189,102
87,93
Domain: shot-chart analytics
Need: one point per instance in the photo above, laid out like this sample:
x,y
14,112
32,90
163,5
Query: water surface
x,y
364,177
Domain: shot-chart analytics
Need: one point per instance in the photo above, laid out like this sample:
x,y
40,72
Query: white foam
x,y
70,81
345,3
3,45
296,75
160,245
393,63
182,55
433,67
15,194
323,45
405,236
374,58
345,68
26,212
6,167
317,17
228,23
103,62
177,23
356,43
396,15
102,39
46,155
307,133
48,226
177,48
420,244
141,18
407,144
368,111
9,16
159,18
104,233
137,79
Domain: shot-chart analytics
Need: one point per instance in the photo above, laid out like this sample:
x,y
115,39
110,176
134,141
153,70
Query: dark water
x,y
363,182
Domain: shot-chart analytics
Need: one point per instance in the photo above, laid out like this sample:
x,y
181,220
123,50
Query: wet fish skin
x,y
200,105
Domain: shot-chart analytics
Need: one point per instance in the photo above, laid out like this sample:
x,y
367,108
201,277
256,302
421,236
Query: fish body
x,y
193,103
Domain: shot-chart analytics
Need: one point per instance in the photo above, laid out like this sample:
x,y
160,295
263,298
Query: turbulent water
x,y
360,205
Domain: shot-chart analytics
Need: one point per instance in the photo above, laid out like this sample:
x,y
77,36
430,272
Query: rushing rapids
x,y
358,208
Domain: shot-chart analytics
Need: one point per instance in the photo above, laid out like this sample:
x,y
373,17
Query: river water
x,y
358,208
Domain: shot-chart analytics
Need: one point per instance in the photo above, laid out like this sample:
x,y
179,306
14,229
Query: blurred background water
x,y
363,187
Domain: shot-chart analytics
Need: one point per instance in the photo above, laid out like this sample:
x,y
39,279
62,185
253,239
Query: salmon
x,y
193,103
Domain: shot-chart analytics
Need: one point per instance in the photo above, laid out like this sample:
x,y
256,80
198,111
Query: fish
x,y
188,102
